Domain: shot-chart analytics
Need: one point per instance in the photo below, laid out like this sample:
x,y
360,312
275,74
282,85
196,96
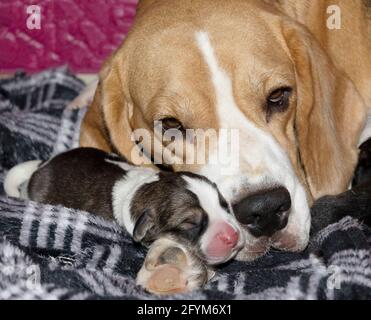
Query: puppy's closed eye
x,y
189,224
193,226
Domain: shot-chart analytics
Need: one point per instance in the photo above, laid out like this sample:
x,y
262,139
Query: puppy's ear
x,y
330,115
144,228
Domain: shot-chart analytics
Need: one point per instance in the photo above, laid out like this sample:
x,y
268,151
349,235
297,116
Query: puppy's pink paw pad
x,y
167,279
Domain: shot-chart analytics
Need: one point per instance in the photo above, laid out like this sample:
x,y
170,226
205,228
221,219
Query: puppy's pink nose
x,y
228,236
222,243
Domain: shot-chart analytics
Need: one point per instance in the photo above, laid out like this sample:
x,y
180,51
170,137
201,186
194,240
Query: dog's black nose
x,y
264,213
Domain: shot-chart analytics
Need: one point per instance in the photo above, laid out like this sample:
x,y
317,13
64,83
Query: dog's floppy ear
x,y
93,132
144,4
144,228
107,124
330,115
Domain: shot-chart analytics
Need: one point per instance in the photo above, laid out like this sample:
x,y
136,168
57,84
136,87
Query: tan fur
x,y
159,72
329,118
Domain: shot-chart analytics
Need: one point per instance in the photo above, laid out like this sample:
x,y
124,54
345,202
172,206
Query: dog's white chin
x,y
295,237
284,240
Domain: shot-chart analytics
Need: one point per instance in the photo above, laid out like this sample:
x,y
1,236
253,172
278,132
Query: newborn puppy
x,y
148,204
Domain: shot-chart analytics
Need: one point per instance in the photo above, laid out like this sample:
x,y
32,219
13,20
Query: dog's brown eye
x,y
278,101
171,123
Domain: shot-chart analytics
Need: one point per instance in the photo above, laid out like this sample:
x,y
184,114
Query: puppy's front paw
x,y
169,268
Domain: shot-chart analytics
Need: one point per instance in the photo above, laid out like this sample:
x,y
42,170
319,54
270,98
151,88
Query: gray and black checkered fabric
x,y
51,252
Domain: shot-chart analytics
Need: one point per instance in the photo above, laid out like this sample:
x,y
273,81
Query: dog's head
x,y
237,66
189,209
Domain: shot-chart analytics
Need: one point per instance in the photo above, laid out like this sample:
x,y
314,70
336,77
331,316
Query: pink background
x,y
80,33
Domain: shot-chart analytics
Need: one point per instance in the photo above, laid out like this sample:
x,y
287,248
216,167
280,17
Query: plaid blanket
x,y
51,252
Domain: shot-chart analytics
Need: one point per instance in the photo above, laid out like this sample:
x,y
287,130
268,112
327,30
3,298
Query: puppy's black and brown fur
x,y
87,187
147,203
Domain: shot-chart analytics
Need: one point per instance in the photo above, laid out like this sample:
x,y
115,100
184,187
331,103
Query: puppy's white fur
x,y
17,176
123,192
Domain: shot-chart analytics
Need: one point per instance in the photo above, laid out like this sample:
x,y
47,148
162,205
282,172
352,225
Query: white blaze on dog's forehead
x,y
230,115
261,155
124,191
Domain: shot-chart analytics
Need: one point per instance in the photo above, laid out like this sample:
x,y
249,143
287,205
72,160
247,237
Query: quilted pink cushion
x,y
79,33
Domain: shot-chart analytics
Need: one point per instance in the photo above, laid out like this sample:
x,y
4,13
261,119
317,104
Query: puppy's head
x,y
190,209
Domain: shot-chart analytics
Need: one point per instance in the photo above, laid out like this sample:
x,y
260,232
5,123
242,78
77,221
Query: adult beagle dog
x,y
297,91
